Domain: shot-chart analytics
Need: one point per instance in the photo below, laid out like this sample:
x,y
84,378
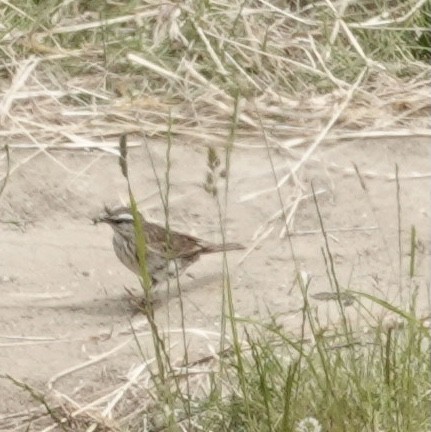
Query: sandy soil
x,y
63,301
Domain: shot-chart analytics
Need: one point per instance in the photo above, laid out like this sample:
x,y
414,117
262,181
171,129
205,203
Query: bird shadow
x,y
127,302
123,304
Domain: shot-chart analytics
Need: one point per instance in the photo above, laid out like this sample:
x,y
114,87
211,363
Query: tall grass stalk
x,y
161,379
228,311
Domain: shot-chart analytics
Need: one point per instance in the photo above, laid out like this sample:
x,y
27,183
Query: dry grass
x,y
77,74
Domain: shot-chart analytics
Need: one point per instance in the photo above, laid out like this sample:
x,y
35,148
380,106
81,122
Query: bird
x,y
167,252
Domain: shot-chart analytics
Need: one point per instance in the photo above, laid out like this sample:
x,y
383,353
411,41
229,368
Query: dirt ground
x,y
63,302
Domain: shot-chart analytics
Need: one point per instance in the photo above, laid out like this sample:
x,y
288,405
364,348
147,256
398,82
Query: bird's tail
x,y
213,248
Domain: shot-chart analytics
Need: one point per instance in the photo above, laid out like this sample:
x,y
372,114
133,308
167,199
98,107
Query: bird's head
x,y
119,218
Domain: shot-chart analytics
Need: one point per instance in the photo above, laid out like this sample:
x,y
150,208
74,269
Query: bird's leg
x,y
139,302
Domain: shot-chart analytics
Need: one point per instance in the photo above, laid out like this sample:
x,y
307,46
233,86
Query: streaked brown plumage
x,y
183,249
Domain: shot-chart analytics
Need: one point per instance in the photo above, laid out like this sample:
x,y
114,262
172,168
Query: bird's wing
x,y
174,244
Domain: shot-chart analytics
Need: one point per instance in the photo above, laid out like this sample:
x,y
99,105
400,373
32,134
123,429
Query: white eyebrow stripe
x,y
124,216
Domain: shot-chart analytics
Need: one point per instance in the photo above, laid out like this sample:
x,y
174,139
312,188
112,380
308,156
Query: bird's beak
x,y
102,218
96,220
